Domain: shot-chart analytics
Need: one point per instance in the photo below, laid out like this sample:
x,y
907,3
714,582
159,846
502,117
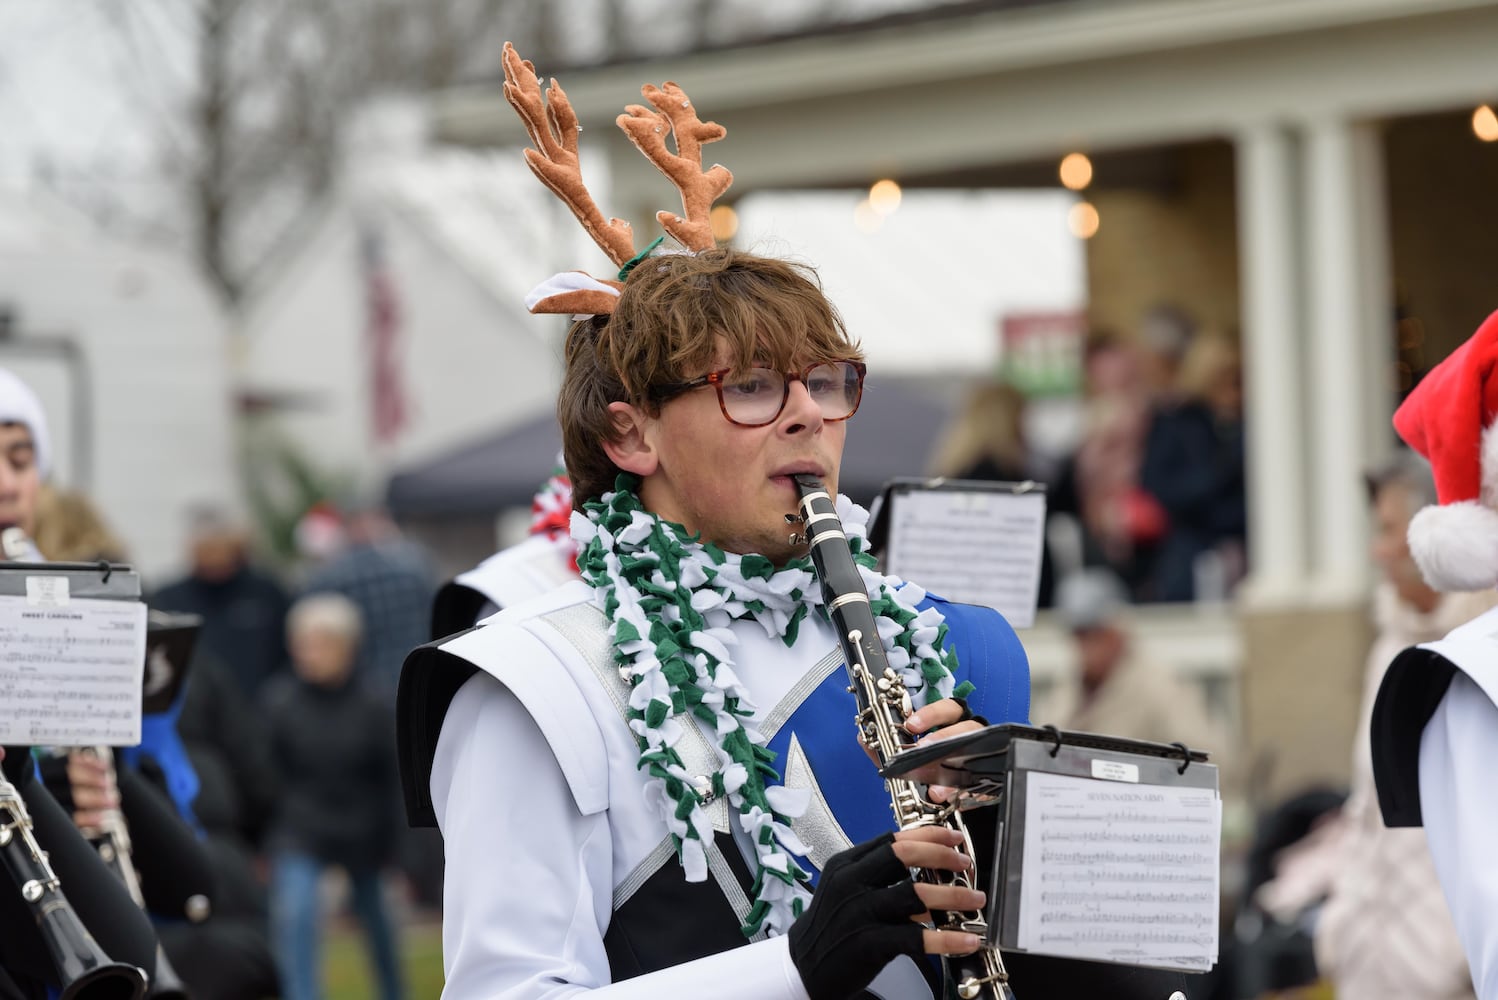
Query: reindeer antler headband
x,y
553,129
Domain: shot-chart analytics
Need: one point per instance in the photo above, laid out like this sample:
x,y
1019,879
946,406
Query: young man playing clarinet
x,y
648,780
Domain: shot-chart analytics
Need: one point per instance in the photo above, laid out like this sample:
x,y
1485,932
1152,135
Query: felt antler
x,y
553,129
699,188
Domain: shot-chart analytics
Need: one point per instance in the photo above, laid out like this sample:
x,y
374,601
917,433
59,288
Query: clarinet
x,y
111,839
883,705
86,971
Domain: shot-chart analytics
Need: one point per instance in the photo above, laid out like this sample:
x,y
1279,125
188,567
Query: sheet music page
x,y
971,546
70,670
1120,872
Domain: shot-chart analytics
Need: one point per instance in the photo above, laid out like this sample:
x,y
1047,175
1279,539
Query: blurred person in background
x,y
1386,931
243,608
1097,493
225,954
985,440
331,741
391,580
1166,333
1434,731
1194,466
1116,690
85,790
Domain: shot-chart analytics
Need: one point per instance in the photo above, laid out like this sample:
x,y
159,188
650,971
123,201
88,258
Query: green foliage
x,y
282,484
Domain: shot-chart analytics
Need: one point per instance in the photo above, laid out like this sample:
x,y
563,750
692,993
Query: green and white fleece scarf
x,y
670,600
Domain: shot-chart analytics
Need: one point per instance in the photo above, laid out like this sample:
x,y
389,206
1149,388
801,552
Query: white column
x,y
1344,330
1268,262
1376,281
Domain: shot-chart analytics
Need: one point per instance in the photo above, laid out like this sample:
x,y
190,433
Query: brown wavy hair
x,y
673,315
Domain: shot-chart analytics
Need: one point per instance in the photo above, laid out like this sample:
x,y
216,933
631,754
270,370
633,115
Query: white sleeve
x,y
1460,811
528,889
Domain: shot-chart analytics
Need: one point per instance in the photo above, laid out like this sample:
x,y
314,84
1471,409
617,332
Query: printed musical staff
x,y
1120,872
72,674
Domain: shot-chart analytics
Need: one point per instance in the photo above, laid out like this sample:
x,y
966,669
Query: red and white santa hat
x,y
20,405
1450,419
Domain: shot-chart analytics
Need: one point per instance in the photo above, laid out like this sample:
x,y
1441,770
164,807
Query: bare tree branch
x,y
273,83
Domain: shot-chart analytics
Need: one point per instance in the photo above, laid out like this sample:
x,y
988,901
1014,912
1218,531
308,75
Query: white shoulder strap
x,y
586,630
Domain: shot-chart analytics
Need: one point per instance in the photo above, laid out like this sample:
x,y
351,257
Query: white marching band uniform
x,y
1435,738
538,727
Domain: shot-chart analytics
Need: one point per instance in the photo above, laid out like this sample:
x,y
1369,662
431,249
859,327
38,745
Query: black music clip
x,y
1185,757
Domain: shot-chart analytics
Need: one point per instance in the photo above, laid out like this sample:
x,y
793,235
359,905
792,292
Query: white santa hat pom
x,y
1456,545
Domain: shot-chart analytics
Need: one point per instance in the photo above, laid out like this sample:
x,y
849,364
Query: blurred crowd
x,y
287,721
1149,506
1153,490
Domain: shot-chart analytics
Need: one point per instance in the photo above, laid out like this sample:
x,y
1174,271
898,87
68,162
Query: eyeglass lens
x,y
759,395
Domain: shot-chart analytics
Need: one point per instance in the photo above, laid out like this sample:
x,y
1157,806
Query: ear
x,y
631,447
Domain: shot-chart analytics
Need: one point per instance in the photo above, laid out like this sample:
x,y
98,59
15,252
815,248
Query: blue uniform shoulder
x,y
990,655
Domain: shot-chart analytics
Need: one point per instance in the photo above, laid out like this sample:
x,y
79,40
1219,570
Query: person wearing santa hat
x,y
91,889
1434,730
25,453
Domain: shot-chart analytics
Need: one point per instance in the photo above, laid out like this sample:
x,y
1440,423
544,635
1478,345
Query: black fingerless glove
x,y
858,921
968,713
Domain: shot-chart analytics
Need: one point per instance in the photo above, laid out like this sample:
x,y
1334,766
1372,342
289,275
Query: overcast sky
x,y
59,93
85,84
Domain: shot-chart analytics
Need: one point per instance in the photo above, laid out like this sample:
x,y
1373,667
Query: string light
x,y
1485,124
724,222
1083,220
884,196
1076,171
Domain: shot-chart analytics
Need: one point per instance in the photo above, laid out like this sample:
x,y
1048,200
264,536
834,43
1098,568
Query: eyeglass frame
x,y
671,390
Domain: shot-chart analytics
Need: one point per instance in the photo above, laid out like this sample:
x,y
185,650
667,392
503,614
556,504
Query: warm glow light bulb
x,y
1485,124
1083,220
884,196
1076,171
724,222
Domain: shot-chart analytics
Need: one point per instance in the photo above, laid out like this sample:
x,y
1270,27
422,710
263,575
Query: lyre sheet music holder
x,y
970,541
72,654
171,637
1108,848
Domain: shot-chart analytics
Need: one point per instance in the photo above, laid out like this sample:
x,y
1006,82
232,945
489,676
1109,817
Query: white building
x,y
127,346
458,249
